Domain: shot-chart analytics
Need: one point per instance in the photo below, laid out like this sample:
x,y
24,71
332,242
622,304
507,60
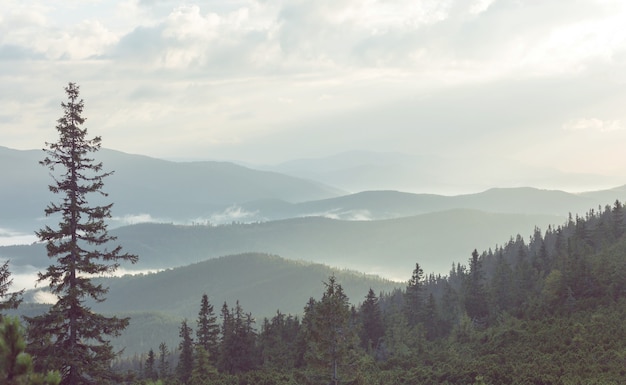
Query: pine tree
x,y
373,328
475,293
70,337
413,298
501,286
164,361
331,347
207,332
8,300
149,369
226,343
431,319
238,351
278,342
202,371
16,366
185,360
618,219
449,309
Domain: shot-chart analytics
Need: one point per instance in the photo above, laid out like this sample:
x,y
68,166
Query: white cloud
x,y
397,73
480,6
41,296
231,214
133,219
345,215
593,124
9,237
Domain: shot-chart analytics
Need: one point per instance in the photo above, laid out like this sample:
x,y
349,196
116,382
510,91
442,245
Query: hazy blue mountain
x,y
147,189
608,197
372,205
388,248
144,186
366,170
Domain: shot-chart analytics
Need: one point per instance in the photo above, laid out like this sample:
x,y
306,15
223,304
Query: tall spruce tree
x,y
208,330
372,329
70,337
8,300
185,360
202,371
331,351
164,361
413,298
150,368
476,304
238,351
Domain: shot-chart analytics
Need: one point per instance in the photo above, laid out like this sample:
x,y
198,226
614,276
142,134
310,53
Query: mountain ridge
x,y
385,247
141,185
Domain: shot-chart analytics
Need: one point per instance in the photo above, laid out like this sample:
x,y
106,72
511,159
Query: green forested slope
x,y
262,284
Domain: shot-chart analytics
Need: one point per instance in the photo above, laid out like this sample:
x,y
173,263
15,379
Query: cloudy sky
x,y
537,83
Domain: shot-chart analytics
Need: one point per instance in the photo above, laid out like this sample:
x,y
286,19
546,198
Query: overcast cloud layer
x,y
540,83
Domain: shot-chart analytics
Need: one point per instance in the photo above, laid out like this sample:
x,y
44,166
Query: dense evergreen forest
x,y
547,310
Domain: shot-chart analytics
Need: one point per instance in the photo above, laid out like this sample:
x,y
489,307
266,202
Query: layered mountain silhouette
x,y
147,187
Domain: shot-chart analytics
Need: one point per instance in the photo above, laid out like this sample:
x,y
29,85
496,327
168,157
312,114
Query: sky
x,y
478,82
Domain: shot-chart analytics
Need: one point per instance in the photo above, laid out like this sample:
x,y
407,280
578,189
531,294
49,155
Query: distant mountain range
x,y
380,232
148,188
374,205
145,189
389,248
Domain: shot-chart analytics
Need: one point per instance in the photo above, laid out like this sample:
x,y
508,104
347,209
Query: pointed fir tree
x,y
449,309
278,342
331,350
8,300
475,301
185,360
208,331
227,340
202,371
618,219
70,337
149,368
501,285
164,361
237,351
16,366
431,319
372,329
413,298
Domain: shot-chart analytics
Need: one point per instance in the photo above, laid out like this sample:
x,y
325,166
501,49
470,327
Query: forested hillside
x,y
262,283
543,310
